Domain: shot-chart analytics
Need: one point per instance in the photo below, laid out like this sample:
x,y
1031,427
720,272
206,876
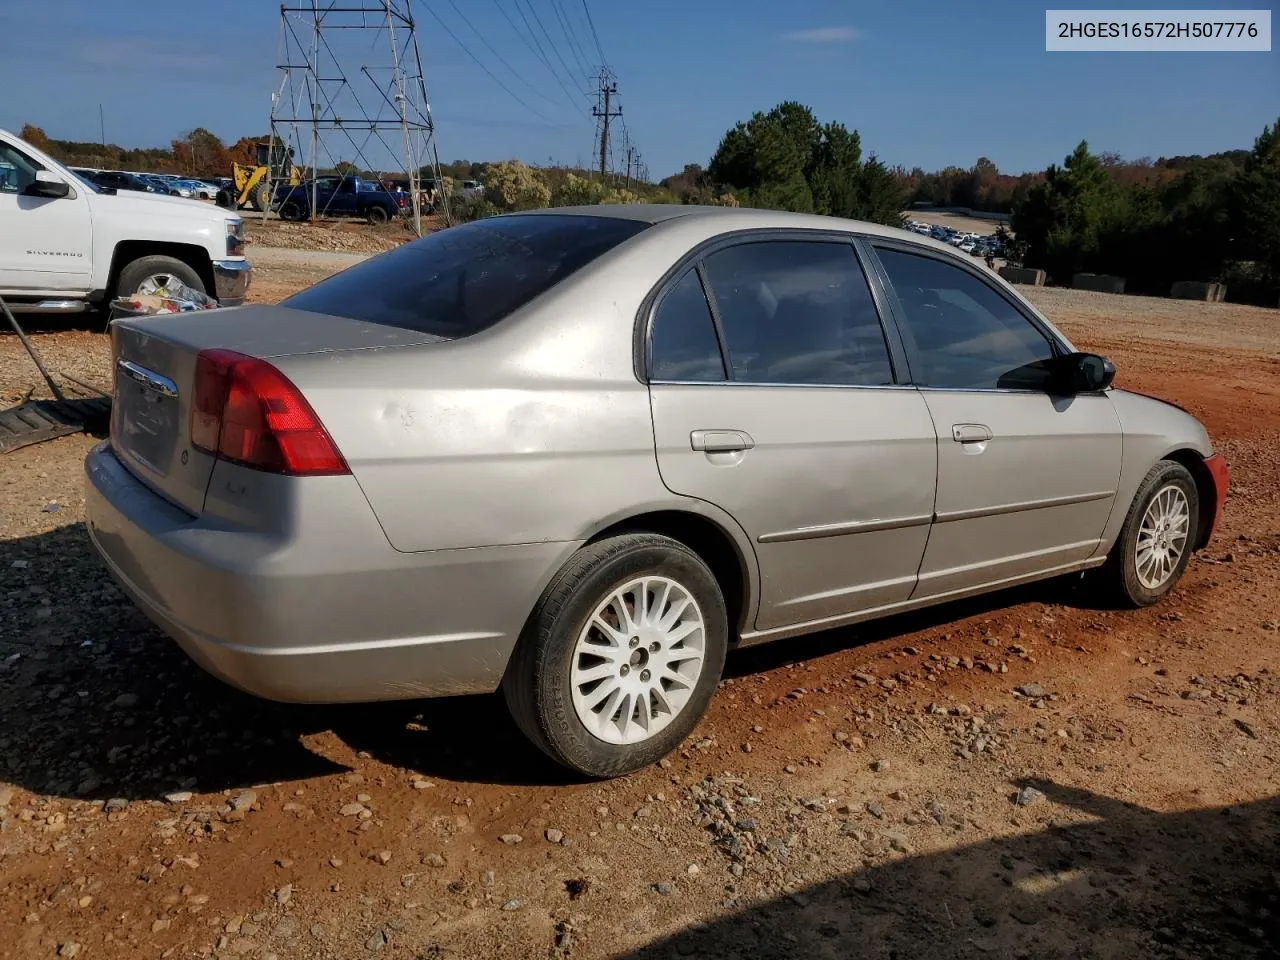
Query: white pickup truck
x,y
66,244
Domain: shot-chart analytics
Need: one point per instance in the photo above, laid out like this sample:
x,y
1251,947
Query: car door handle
x,y
720,441
970,432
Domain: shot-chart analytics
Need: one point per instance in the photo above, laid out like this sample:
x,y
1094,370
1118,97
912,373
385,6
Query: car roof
x,y
732,218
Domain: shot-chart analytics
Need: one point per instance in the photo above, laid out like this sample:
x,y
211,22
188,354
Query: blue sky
x,y
926,84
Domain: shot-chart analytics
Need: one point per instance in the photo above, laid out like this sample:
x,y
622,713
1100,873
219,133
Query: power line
x,y
594,36
501,59
574,47
554,49
492,76
536,45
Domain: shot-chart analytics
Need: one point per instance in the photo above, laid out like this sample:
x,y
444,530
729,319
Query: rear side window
x,y
798,312
682,340
462,280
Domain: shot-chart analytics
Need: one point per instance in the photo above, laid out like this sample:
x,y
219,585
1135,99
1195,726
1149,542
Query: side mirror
x,y
1084,373
48,185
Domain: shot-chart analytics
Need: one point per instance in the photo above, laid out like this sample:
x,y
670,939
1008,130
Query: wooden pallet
x,y
38,420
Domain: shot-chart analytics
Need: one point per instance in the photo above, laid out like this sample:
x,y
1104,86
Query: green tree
x,y
786,160
1065,219
511,185
1255,204
878,194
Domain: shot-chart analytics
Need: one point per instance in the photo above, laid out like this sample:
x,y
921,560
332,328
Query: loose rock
x,y
554,836
511,838
1027,796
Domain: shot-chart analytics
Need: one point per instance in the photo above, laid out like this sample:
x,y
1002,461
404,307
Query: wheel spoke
x,y
658,612
616,638
678,634
602,695
592,674
658,700
673,615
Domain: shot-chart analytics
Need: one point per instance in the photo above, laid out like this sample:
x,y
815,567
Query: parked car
x,y
580,454
159,184
195,189
340,196
115,180
66,243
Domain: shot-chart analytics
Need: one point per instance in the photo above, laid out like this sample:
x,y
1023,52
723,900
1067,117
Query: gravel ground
x,y
1024,775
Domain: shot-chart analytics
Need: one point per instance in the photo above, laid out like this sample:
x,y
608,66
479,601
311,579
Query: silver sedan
x,y
580,454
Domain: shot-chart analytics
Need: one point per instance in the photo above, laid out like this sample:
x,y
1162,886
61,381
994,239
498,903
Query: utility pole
x,y
607,90
631,159
343,111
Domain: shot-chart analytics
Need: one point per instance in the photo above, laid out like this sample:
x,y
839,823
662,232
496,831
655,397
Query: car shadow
x,y
95,702
1133,883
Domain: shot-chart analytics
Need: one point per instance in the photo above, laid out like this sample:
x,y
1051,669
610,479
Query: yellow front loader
x,y
255,185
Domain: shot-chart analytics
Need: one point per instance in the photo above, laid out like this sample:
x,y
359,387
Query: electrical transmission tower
x,y
607,90
377,113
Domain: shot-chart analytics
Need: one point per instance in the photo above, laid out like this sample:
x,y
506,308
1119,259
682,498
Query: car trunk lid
x,y
154,360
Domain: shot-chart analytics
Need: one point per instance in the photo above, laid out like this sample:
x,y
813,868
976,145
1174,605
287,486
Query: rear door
x,y
1026,479
797,426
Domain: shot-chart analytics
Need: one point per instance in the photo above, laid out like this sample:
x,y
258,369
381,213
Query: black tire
x,y
260,197
1119,576
537,682
133,275
291,210
376,215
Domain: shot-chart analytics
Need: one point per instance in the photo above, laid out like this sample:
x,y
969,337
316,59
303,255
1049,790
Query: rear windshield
x,y
464,279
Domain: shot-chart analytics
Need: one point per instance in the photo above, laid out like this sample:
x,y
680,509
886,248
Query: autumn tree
x,y
201,153
36,137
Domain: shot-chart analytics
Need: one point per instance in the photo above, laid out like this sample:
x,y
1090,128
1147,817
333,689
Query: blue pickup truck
x,y
340,197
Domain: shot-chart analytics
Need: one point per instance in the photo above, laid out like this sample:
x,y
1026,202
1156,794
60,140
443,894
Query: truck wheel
x,y
152,275
376,215
291,210
260,198
621,655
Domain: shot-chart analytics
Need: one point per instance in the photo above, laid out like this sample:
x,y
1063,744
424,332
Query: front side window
x,y
798,312
17,170
682,338
963,334
459,281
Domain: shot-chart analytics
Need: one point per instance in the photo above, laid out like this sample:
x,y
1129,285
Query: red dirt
x,y
1156,745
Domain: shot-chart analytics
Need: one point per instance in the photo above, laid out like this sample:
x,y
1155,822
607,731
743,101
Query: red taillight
x,y
246,411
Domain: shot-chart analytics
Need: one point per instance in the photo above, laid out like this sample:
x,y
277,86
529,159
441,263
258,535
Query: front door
x,y
44,241
775,399
1026,479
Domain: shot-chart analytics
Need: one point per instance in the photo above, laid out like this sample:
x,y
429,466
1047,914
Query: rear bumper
x,y
231,281
325,612
1221,477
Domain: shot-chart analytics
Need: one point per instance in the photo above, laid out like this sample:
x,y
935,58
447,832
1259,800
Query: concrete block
x,y
1098,282
1025,275
1197,290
